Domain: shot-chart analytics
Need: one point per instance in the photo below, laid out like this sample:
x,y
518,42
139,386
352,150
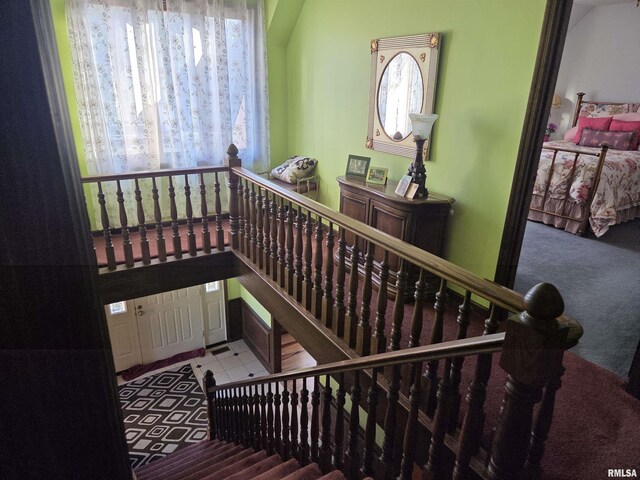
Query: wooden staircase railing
x,y
155,181
301,414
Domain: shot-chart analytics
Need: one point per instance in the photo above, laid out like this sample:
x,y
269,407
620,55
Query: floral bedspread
x,y
619,186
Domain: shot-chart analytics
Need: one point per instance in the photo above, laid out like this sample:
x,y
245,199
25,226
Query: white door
x,y
215,318
123,331
169,323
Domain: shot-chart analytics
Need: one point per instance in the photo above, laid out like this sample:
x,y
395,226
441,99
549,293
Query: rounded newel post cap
x,y
232,150
209,380
543,304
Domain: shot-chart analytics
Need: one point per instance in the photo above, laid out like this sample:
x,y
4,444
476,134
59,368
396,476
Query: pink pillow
x,y
627,117
570,135
616,140
595,123
620,126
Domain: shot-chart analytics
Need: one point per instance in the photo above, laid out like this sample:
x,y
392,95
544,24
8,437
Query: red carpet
x,y
137,370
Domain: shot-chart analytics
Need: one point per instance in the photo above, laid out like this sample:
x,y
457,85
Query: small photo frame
x,y
377,175
357,166
403,185
412,191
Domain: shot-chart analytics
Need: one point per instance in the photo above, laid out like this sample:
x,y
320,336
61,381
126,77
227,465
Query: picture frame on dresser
x,y
357,166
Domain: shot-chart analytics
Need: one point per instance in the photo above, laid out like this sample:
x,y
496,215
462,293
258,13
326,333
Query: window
x,y
118,308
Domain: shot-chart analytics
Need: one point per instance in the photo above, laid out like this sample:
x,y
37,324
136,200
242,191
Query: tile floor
x,y
236,363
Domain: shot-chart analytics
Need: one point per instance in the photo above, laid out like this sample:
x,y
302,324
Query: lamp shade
x,y
421,124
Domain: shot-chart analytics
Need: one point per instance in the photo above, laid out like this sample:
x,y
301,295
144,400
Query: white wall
x,y
601,58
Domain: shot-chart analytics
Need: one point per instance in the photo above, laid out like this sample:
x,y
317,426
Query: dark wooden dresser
x,y
419,222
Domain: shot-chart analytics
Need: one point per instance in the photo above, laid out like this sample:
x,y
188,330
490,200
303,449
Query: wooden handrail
x,y
491,291
153,173
440,351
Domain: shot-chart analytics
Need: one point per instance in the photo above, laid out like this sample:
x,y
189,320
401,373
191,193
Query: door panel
x,y
169,323
215,322
123,331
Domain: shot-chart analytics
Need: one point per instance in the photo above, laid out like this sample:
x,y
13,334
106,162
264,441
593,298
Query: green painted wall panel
x,y
486,64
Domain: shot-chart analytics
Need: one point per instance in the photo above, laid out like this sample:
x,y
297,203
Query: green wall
x,y
235,290
486,63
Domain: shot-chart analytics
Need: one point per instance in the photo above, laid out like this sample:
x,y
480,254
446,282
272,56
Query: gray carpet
x,y
600,282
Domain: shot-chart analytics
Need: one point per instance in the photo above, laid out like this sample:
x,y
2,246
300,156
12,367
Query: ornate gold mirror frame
x,y
423,50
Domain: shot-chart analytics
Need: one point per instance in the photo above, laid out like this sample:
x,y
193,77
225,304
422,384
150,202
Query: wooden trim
x,y
153,173
234,319
552,39
257,335
451,349
275,347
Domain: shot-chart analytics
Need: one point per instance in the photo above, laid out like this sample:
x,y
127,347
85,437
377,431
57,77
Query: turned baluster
x,y
227,415
222,415
253,231
338,451
234,185
303,456
408,445
398,307
363,338
339,309
126,241
440,307
218,207
246,441
144,243
327,297
237,413
370,430
267,234
416,319
390,424
326,448
259,230
316,290
541,427
177,242
209,382
257,415
157,216
274,238
251,417
435,464
277,401
294,421
285,452
352,456
263,420
351,317
217,415
104,217
247,220
204,211
473,422
379,340
282,219
191,236
270,424
307,281
315,419
532,354
297,282
241,219
289,268
456,365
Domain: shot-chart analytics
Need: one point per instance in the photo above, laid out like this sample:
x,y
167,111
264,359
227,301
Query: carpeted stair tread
x,y
208,466
178,456
265,466
191,467
310,472
233,467
335,475
280,471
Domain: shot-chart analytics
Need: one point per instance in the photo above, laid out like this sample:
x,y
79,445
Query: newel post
x,y
231,161
209,382
532,356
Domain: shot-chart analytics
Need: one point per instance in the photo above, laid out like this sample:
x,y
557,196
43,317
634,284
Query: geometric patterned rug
x,y
162,413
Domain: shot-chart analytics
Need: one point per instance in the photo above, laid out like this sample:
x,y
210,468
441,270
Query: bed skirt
x,y
554,205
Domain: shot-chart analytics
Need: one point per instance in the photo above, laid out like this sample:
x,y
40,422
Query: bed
x,y
579,186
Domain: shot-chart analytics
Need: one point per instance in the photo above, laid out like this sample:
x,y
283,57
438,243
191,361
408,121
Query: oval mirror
x,y
399,94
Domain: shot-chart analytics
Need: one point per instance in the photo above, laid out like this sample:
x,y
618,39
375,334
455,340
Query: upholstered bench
x,y
296,175
308,186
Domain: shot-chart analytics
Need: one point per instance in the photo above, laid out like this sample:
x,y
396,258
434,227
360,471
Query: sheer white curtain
x,y
169,84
